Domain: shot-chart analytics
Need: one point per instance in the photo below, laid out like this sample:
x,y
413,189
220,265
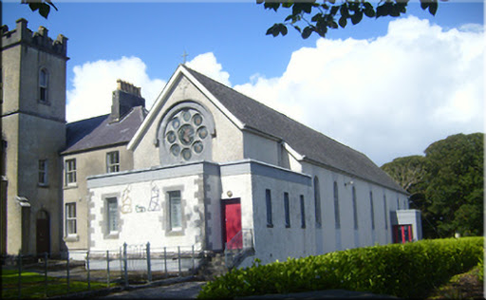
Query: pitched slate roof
x,y
313,145
98,132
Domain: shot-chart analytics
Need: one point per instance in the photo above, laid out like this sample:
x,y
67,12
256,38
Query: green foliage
x,y
447,185
404,270
43,6
326,12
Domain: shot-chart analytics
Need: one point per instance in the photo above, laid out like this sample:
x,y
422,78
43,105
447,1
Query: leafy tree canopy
x,y
447,184
318,16
42,6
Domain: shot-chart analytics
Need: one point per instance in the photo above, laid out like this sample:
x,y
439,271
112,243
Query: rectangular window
x,y
70,171
385,211
42,172
112,162
112,215
302,211
355,209
317,203
287,210
175,210
268,202
43,80
372,209
70,218
336,206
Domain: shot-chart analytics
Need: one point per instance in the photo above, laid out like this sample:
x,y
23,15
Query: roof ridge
x,y
268,107
83,120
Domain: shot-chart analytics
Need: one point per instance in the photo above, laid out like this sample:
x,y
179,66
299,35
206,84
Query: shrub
x,y
403,270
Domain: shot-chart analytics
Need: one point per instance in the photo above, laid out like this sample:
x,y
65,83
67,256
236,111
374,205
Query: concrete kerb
x,y
107,291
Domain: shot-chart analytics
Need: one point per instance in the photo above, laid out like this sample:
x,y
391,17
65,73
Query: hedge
x,y
408,270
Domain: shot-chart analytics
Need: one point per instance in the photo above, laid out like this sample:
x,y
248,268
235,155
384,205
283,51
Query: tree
x,y
455,186
407,171
43,6
321,15
447,184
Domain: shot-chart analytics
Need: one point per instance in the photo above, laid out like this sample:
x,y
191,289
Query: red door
x,y
232,237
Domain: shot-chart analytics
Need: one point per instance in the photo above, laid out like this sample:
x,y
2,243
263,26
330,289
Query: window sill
x,y
269,225
112,236
71,238
71,186
43,185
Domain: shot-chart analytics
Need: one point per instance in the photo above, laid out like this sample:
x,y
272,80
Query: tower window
x,y
42,172
43,84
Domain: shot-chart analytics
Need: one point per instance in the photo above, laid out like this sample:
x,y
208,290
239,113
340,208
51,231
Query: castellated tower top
x,y
23,35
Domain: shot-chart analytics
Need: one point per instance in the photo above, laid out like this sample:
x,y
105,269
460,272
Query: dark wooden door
x,y
43,233
232,235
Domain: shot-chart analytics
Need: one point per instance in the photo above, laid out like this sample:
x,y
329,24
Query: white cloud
x,y
206,64
387,97
94,83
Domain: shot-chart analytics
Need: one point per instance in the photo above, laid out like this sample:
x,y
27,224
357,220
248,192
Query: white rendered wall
x,y
137,224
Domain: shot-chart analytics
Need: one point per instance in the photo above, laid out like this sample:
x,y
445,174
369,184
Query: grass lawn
x,y
33,285
461,286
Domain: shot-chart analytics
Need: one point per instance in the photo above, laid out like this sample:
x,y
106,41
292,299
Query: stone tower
x,y
33,128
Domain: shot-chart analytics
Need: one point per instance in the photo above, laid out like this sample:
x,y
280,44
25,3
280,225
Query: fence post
x,y
107,268
179,258
165,261
193,265
149,271
87,265
19,264
45,274
67,270
125,265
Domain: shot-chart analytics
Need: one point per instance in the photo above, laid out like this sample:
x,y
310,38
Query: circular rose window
x,y
185,134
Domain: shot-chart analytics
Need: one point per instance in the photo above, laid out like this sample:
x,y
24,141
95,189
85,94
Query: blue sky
x,y
420,89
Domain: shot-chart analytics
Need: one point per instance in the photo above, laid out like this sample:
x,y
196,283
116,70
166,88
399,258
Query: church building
x,y
206,167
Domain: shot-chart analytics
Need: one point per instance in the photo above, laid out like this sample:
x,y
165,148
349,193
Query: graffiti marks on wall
x,y
154,204
126,201
139,209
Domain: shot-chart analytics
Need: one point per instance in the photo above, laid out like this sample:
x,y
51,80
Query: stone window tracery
x,y
185,134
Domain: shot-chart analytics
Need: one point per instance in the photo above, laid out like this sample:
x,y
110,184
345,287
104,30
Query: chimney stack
x,y
125,97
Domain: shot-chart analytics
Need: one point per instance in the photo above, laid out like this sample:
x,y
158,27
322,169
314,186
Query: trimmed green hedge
x,y
404,270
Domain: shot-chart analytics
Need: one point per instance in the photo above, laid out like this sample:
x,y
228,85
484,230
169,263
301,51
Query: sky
x,y
387,87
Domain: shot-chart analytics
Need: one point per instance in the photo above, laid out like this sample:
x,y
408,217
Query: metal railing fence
x,y
131,264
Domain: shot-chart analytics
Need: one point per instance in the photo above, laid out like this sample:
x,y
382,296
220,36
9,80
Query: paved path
x,y
182,290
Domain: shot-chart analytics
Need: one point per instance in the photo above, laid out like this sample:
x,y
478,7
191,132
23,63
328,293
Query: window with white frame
x,y
287,209
336,206
112,162
70,171
175,210
70,213
43,85
42,171
112,214
268,203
